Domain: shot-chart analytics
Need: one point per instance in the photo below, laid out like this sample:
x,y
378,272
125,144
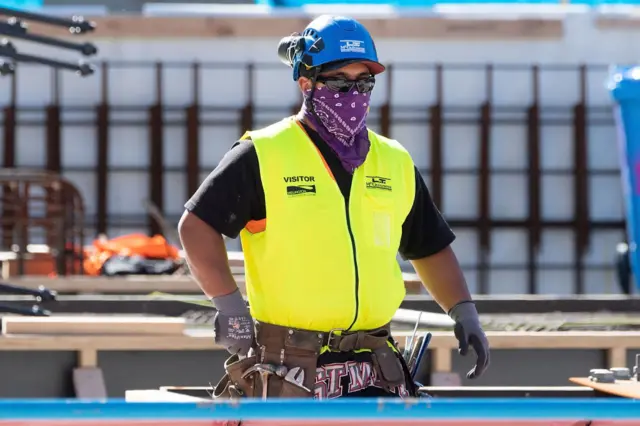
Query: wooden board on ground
x,y
93,325
152,395
409,317
144,284
623,388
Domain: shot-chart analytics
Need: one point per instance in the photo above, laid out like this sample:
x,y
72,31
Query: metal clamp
x,y
332,334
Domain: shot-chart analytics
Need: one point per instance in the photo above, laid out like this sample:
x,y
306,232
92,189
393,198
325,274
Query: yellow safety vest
x,y
310,265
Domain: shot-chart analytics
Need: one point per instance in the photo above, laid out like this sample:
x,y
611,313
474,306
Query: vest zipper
x,y
355,265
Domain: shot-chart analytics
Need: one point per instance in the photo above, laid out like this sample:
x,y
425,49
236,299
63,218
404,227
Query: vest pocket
x,y
381,228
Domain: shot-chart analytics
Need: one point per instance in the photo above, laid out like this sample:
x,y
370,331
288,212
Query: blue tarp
x,y
22,4
624,85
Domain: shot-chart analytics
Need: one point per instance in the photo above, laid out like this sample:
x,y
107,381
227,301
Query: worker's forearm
x,y
207,257
442,277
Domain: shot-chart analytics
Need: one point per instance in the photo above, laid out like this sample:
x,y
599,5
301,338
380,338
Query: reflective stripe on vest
x,y
311,265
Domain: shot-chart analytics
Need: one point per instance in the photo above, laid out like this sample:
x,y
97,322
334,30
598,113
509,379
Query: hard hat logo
x,y
355,46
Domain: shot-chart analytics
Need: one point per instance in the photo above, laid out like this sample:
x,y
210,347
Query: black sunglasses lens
x,y
338,85
364,85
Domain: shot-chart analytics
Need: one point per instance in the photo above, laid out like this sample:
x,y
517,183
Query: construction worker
x,y
322,205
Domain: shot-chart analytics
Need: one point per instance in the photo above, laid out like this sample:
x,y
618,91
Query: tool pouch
x,y
290,390
388,367
232,385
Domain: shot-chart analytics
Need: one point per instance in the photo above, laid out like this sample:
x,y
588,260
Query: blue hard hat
x,y
330,42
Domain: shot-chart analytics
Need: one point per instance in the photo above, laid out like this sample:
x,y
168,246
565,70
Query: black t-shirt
x,y
232,196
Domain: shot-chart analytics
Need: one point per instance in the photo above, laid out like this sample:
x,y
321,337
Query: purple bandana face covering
x,y
342,123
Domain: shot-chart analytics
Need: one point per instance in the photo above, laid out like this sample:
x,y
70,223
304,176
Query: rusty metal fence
x,y
485,116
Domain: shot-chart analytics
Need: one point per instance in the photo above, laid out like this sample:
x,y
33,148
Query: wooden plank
x,y
87,358
203,341
132,284
152,395
625,22
207,27
107,343
145,284
617,357
623,388
84,324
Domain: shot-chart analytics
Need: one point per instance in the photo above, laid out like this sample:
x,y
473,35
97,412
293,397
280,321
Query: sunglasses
x,y
341,84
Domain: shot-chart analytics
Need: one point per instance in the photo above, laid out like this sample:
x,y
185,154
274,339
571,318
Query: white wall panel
x,y
508,147
557,197
508,247
556,247
509,196
420,83
416,138
556,148
512,87
30,146
215,142
460,196
127,191
78,146
460,146
507,282
555,282
86,183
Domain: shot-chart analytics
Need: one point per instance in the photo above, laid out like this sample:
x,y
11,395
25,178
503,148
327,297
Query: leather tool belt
x,y
286,348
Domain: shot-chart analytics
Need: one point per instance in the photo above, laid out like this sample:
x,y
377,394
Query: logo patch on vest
x,y
305,185
378,182
295,190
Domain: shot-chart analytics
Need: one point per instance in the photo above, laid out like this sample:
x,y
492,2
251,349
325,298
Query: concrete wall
x,y
413,90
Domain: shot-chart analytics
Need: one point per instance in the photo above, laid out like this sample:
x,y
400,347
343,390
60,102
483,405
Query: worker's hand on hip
x,y
469,332
233,326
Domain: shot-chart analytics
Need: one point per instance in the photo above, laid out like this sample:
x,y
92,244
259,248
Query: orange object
x,y
156,247
623,388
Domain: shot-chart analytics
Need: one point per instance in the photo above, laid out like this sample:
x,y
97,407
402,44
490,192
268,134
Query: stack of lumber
x,y
93,325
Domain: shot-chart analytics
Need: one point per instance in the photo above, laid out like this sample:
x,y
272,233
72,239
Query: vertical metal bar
x,y
9,161
54,156
102,162
193,134
435,125
246,114
581,179
533,145
54,152
484,219
22,233
385,110
156,160
58,228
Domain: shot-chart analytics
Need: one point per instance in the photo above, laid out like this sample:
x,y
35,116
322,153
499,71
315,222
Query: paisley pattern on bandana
x,y
344,115
341,122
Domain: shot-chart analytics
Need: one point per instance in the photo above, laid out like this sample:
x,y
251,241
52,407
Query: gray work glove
x,y
468,331
233,325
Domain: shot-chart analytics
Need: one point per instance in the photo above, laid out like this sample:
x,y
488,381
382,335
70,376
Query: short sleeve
x,y
231,195
424,231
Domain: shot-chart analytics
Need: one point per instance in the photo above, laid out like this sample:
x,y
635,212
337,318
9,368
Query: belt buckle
x,y
332,335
